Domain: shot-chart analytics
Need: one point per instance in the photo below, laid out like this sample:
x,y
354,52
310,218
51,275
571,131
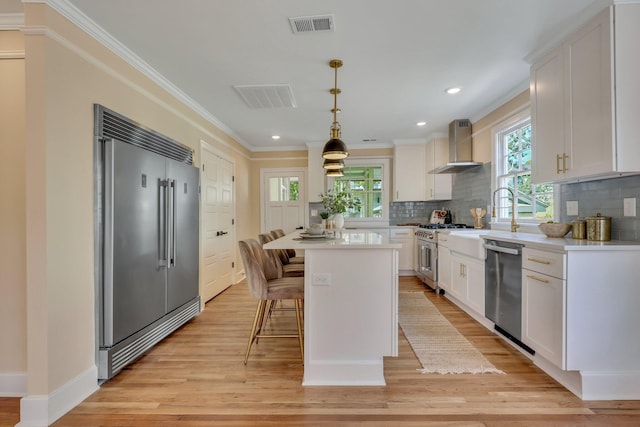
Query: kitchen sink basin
x,y
468,243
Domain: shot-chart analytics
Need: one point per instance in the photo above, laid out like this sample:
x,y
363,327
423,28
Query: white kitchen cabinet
x,y
406,254
543,300
409,167
461,270
582,115
474,269
444,268
467,281
438,186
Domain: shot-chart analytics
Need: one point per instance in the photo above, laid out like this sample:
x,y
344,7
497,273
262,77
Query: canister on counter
x,y
599,228
579,229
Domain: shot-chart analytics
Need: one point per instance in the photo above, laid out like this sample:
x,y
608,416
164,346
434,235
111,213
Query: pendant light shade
x,y
334,172
335,148
333,164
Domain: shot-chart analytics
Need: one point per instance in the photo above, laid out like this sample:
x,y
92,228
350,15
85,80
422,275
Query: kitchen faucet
x,y
514,224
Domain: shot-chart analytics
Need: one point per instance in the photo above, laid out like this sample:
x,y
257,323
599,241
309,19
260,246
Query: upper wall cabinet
x,y
411,165
585,97
439,186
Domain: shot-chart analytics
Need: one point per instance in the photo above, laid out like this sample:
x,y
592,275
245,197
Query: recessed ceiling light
x,y
275,137
421,123
453,90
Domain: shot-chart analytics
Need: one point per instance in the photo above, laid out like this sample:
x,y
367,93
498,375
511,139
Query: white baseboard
x,y
44,410
13,384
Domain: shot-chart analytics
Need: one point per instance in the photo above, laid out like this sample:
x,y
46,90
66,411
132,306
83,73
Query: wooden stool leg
x,y
257,320
300,328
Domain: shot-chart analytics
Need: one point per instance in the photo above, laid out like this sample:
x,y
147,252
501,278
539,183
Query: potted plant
x,y
337,203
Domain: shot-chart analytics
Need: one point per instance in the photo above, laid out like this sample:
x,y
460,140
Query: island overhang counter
x,y
351,306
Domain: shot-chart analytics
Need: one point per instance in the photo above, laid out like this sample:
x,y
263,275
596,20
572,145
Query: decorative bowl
x,y
554,229
315,229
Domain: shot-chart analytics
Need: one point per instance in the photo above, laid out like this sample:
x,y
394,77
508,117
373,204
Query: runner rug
x,y
438,345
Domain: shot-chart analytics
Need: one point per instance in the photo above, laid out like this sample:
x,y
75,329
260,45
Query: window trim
x,y
385,163
497,130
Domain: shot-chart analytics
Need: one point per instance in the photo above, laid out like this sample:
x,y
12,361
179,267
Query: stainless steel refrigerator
x,y
149,283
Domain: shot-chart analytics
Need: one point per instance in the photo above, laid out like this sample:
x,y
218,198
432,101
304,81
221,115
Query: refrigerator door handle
x,y
162,224
172,224
168,221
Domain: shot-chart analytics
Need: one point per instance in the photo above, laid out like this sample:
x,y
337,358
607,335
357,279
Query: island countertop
x,y
346,239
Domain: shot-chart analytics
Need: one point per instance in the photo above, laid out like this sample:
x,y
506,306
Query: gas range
x,y
429,230
439,226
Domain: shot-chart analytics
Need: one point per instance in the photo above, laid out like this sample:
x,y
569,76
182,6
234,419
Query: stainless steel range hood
x,y
460,148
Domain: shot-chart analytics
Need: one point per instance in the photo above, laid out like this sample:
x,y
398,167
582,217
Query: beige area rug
x,y
439,346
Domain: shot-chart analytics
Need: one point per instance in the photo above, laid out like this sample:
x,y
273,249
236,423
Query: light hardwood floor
x,y
196,378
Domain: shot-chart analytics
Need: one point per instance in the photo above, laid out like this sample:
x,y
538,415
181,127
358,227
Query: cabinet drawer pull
x,y
540,261
539,279
558,158
564,162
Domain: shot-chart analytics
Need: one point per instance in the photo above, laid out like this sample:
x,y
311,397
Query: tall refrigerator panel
x,y
150,251
182,269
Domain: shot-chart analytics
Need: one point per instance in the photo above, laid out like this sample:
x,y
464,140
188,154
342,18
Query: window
x,y
534,202
284,188
367,180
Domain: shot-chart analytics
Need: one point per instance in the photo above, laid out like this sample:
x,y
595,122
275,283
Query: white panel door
x,y
217,255
283,199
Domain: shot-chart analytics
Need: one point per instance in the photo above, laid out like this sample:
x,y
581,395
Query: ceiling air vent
x,y
267,96
309,24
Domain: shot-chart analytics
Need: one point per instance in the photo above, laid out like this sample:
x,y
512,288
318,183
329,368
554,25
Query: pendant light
x,y
334,172
333,164
335,148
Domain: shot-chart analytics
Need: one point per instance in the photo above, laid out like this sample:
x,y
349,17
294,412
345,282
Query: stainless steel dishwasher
x,y
503,288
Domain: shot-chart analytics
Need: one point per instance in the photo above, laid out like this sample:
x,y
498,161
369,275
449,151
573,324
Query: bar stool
x,y
267,285
291,253
280,255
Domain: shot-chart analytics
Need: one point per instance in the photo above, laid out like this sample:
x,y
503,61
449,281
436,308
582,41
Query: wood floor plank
x,y
196,378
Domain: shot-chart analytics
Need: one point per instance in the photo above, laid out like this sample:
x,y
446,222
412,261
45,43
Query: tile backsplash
x,y
471,189
605,197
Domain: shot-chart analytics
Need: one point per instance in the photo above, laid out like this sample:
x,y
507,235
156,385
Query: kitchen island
x,y
351,306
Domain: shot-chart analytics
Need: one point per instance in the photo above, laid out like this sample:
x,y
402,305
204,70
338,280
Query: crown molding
x,y
11,21
86,24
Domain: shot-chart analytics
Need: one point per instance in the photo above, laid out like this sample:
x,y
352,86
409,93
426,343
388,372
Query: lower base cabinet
x,y
542,315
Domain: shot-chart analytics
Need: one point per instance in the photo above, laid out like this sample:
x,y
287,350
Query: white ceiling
x,y
399,56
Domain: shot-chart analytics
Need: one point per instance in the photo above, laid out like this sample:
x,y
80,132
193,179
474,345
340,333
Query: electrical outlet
x,y
629,205
314,212
321,279
572,208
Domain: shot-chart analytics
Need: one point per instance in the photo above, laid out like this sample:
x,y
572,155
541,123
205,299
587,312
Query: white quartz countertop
x,y
347,239
561,244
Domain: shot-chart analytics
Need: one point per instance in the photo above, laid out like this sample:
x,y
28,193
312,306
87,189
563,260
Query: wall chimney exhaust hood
x,y
460,148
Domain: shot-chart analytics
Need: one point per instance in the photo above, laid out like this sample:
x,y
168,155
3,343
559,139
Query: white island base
x,y
350,309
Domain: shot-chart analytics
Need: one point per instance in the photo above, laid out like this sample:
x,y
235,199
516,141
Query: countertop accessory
x,y
599,228
478,214
315,229
554,229
579,229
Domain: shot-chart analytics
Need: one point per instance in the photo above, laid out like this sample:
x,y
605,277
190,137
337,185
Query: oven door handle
x,y
501,249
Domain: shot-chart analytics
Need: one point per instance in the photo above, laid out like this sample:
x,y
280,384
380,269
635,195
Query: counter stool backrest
x,y
278,233
258,266
280,253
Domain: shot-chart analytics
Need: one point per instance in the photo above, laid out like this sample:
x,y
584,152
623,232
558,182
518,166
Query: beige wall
x,y
13,356
66,73
482,142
